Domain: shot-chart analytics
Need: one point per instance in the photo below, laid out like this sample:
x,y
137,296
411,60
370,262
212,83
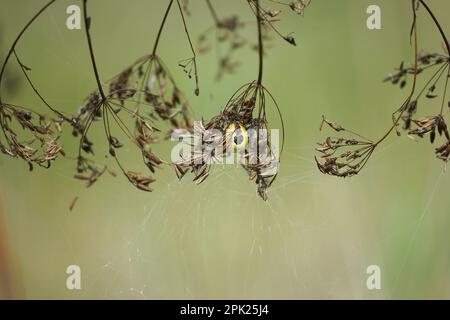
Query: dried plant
x,y
245,110
141,94
27,134
435,89
114,106
343,156
144,95
347,156
127,106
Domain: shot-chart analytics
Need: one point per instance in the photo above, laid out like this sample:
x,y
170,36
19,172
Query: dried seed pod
x,y
139,181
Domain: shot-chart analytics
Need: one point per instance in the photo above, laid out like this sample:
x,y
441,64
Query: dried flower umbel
x,y
29,136
114,107
270,17
245,113
128,105
143,93
25,133
154,90
245,110
437,65
346,156
343,156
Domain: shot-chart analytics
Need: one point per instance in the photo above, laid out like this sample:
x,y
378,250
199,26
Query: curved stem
x,y
405,104
161,27
445,91
436,22
36,91
13,46
260,43
87,25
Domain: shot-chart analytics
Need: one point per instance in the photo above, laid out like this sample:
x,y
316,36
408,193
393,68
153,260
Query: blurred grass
x,y
316,235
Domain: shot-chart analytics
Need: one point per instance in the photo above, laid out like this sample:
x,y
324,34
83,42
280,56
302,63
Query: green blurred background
x,y
315,236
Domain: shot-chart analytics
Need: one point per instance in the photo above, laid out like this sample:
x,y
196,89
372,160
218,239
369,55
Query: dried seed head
x,y
29,136
140,94
434,87
343,156
245,110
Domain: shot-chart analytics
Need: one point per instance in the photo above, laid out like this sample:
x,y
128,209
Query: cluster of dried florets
x,y
113,107
128,105
241,125
350,162
154,91
435,88
25,133
343,156
241,128
141,94
29,136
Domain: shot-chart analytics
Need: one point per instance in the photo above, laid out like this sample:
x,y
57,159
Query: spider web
x,y
311,239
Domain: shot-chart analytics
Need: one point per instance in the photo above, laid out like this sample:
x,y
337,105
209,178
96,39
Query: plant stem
x,y
87,26
405,104
213,13
436,22
408,100
260,43
36,91
194,59
161,28
13,46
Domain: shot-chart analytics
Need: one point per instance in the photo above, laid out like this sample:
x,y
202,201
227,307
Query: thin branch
x,y
36,91
436,22
405,104
161,27
260,43
87,25
197,89
13,46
